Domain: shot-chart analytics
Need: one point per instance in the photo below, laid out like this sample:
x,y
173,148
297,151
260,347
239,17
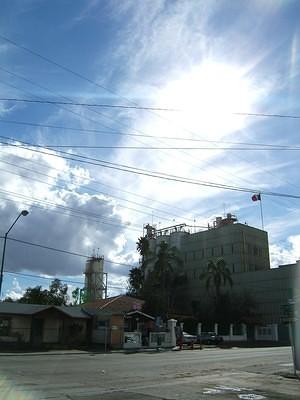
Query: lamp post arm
x,y
13,224
24,213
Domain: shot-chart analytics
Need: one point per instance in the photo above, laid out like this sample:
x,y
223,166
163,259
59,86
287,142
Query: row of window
x,y
197,272
220,251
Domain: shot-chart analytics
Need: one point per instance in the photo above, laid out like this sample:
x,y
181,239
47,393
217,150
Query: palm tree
x,y
142,246
163,273
217,274
135,282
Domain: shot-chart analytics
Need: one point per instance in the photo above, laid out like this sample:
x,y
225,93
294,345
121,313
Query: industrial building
x,y
245,250
243,247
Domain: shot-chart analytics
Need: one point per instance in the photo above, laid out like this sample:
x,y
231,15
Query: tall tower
x,y
94,283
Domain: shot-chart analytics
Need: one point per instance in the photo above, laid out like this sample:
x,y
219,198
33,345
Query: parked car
x,y
188,338
209,338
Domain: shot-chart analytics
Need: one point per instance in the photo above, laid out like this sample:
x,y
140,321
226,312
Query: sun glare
x,y
208,96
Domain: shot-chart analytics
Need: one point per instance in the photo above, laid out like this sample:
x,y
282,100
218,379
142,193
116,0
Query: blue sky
x,y
210,59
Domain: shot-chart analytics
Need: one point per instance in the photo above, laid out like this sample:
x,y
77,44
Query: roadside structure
x,y
103,322
36,325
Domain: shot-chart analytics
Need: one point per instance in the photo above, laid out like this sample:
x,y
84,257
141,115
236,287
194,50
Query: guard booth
x,y
137,328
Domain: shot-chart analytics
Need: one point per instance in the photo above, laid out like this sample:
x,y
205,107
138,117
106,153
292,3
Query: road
x,y
211,373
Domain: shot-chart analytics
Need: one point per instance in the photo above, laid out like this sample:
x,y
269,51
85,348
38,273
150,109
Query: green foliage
x,y
216,275
142,246
76,296
83,296
56,295
135,282
8,300
159,285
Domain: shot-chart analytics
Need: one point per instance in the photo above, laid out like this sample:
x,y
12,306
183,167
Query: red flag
x,y
256,197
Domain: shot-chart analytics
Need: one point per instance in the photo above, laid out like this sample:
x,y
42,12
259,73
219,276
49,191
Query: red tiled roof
x,y
116,304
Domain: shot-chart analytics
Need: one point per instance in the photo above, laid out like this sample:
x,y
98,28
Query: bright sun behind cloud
x,y
208,95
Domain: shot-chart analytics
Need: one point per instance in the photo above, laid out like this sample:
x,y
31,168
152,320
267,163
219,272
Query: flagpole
x,y
261,212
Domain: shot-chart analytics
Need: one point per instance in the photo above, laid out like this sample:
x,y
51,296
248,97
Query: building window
x,y
255,250
203,253
4,327
194,255
232,249
233,268
222,251
260,252
185,257
264,331
195,272
212,251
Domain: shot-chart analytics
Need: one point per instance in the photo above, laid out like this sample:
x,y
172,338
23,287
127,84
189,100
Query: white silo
x,y
94,279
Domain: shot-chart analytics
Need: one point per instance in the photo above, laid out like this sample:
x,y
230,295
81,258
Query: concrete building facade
x,y
245,250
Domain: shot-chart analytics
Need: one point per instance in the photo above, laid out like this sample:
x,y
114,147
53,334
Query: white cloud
x,y
81,222
15,292
287,253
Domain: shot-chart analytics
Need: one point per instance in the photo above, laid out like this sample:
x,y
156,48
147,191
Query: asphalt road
x,y
187,375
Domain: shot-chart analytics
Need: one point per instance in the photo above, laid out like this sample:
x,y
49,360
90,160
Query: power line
x,y
53,277
92,216
87,188
93,110
66,69
82,77
73,103
148,173
63,251
122,106
70,191
103,132
72,146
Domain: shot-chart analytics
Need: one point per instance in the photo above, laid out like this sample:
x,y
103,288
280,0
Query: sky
x,y
188,75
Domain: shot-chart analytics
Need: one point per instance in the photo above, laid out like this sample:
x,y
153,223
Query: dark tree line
x,y
55,295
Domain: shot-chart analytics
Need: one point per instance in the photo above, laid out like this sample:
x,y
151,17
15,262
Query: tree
x,y
159,288
142,246
135,282
35,295
76,296
8,300
56,295
216,275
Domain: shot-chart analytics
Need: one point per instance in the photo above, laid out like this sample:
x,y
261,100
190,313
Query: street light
x,y
23,213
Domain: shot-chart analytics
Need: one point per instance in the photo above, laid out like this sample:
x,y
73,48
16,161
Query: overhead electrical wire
x,y
97,84
140,171
92,190
136,107
72,146
95,131
68,190
71,211
81,76
53,277
31,82
72,253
